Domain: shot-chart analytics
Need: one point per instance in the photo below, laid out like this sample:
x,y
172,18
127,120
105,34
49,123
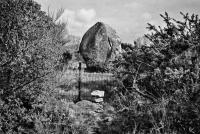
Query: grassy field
x,y
70,75
68,87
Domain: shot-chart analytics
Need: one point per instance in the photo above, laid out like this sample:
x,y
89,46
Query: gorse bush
x,y
159,90
30,48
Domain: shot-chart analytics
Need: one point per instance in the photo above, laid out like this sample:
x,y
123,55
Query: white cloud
x,y
85,15
78,21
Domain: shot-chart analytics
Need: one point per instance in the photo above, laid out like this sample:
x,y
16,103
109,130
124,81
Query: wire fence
x,y
79,85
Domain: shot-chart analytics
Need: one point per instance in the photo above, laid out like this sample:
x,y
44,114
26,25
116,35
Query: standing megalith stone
x,y
99,45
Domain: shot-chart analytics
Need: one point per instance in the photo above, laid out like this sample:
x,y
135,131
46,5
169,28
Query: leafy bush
x,y
160,83
30,48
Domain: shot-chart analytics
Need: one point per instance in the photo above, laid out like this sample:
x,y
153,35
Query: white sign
x,y
98,93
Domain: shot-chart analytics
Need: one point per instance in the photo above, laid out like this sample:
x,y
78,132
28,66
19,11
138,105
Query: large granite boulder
x,y
99,45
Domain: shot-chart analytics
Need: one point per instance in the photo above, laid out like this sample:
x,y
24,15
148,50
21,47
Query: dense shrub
x,y
159,90
30,48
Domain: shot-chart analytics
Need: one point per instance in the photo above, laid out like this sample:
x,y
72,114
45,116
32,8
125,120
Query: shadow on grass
x,y
103,85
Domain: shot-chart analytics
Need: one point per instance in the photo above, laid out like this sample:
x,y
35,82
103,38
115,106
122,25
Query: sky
x,y
128,17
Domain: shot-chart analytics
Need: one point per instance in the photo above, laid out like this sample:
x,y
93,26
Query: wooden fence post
x,y
79,83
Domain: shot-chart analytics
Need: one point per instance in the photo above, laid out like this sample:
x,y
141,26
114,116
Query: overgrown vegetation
x,y
159,90
30,49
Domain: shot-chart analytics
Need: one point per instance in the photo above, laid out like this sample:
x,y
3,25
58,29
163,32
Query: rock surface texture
x,y
99,45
